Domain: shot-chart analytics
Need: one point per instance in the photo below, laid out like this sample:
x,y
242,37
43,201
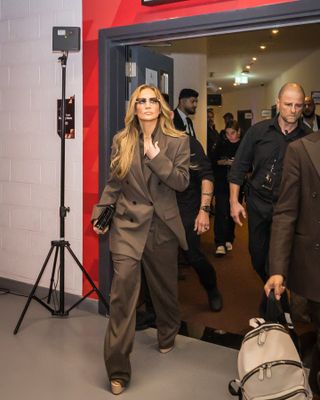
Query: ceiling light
x,y
219,88
275,31
235,84
241,79
248,66
254,58
263,47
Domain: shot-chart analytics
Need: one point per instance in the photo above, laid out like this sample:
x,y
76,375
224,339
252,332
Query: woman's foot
x,y
166,350
229,246
117,386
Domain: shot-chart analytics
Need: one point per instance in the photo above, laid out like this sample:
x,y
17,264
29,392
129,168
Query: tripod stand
x,y
60,245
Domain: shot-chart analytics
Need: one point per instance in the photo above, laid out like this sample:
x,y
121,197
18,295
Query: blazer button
x,y
159,183
134,202
151,204
314,194
127,182
131,219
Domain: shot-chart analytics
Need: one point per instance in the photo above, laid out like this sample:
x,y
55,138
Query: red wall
x,y
98,14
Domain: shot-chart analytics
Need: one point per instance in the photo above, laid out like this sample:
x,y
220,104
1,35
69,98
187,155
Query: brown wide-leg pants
x,y
159,261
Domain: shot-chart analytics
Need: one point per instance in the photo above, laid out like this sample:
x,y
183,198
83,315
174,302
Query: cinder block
x,y
48,74
42,7
45,147
15,146
27,171
4,31
49,174
23,122
25,28
44,101
44,196
16,194
16,241
50,221
16,99
4,77
5,121
24,76
14,8
65,18
4,215
47,21
25,218
14,53
5,169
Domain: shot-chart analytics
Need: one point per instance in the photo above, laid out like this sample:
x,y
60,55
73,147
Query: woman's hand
x,y
150,149
202,222
97,230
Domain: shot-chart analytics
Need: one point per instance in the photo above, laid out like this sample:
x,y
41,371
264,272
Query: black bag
x,y
105,218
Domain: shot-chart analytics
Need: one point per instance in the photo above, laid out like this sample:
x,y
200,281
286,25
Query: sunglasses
x,y
142,101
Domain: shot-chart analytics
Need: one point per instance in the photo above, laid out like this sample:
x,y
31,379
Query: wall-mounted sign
x,y
69,118
157,2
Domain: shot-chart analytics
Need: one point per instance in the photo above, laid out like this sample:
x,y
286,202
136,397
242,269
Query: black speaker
x,y
65,38
214,99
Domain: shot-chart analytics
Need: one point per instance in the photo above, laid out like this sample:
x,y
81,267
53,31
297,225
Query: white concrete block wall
x,y
30,84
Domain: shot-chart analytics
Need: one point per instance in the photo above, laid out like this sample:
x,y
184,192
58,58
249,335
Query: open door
x,y
146,66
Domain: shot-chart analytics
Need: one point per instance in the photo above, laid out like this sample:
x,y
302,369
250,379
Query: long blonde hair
x,y
127,139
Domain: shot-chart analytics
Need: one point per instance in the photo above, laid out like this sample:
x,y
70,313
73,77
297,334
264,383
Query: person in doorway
x,y
295,244
194,204
262,151
188,101
149,163
222,159
212,133
310,117
227,117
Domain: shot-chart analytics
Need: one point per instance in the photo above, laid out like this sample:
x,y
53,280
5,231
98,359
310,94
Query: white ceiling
x,y
229,54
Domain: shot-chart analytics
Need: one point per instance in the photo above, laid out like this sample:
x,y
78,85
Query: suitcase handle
x,y
234,388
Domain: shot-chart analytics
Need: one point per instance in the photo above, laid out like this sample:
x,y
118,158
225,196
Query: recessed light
x,y
219,88
248,66
263,47
275,31
254,58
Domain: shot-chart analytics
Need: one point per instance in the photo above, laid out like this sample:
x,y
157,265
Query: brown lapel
x,y
312,146
136,171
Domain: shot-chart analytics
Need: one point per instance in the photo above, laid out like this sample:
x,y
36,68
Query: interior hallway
x,y
52,358
240,286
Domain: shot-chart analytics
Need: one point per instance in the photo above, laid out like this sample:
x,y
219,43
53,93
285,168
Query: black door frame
x,y
112,58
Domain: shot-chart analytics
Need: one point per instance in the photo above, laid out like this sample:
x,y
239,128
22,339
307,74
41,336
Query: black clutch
x,y
105,218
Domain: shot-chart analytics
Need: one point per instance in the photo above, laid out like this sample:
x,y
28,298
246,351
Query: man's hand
x,y
97,230
202,222
236,211
275,282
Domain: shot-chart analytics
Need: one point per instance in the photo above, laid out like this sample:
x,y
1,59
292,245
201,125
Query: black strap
x,y
279,311
234,389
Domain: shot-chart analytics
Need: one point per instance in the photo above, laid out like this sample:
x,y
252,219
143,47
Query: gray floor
x,y
53,358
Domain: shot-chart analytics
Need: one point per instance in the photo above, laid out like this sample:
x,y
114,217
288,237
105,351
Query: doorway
x,y
113,46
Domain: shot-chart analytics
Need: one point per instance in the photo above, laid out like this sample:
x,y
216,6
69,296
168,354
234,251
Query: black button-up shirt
x,y
262,151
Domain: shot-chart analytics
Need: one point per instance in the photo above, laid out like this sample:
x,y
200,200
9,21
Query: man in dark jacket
x,y
188,101
295,237
262,150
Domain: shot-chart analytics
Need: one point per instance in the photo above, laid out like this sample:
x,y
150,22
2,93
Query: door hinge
x,y
131,69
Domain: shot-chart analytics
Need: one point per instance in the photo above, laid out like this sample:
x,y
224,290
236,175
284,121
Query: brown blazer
x,y
295,238
138,196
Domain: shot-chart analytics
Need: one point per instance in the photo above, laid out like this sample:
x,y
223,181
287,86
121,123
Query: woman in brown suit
x,y
149,163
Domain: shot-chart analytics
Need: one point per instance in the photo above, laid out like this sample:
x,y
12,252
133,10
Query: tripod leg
x,y
33,289
52,275
88,277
